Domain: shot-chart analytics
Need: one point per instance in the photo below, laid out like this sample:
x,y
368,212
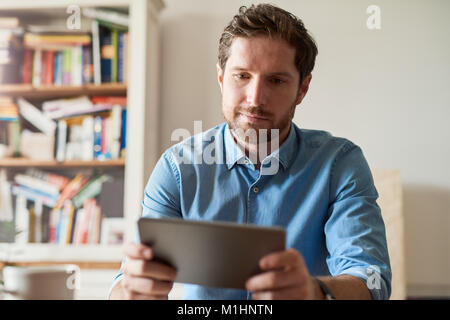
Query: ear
x,y
303,89
219,76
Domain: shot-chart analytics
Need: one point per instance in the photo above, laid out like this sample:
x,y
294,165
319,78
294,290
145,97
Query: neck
x,y
257,152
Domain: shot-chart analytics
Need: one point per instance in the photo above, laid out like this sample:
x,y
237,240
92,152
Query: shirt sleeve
x,y
161,198
355,231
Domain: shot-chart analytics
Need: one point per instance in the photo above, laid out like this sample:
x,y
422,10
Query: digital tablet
x,y
213,254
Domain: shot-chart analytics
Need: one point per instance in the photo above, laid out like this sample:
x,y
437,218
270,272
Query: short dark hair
x,y
271,21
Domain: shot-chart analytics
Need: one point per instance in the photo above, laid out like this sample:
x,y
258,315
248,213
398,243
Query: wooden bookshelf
x,y
24,162
142,147
44,92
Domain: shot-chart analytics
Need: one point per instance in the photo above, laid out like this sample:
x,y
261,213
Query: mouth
x,y
253,118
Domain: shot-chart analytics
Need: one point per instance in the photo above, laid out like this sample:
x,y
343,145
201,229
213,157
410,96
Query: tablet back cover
x,y
213,254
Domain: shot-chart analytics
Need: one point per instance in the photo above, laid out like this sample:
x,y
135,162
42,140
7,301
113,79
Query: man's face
x,y
260,85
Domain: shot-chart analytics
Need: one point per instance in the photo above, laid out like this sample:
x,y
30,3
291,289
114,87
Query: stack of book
x,y
52,208
85,128
11,50
55,55
109,45
57,59
9,128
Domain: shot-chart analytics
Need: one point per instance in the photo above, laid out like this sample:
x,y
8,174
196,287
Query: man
x,y
322,190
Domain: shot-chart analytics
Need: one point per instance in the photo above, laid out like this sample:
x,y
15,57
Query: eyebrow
x,y
281,73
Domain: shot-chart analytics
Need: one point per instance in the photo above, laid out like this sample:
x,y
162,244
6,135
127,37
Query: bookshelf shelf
x,y
24,162
44,253
30,91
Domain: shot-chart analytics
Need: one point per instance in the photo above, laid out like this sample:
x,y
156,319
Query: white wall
x,y
385,89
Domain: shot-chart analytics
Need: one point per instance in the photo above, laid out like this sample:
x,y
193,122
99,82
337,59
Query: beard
x,y
250,132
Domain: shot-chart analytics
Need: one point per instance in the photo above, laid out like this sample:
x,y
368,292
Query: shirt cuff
x,y
115,281
372,278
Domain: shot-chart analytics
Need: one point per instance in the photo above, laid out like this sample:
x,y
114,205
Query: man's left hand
x,y
284,277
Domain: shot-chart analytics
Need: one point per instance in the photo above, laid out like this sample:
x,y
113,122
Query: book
x,y
76,67
88,66
37,184
96,57
61,141
33,40
98,137
60,108
57,180
125,57
9,22
111,100
21,220
36,117
106,53
66,65
6,205
72,188
110,16
91,190
123,134
120,58
115,131
83,222
27,66
34,194
37,68
49,67
53,225
94,225
114,57
37,145
87,144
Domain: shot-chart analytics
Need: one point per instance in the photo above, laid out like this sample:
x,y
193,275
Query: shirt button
x,y
255,189
246,161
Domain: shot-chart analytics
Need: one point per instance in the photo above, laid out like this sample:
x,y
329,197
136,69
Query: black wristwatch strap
x,y
326,291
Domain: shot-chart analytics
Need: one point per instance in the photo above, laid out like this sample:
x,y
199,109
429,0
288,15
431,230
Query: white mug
x,y
40,282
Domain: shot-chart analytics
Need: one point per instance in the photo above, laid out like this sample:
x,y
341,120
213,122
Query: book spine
x,y
114,54
27,66
120,66
106,53
88,67
97,137
56,68
37,65
62,140
66,73
37,184
53,225
123,133
49,67
91,190
96,57
125,58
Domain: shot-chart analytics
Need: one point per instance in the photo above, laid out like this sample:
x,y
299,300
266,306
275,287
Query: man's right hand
x,y
143,278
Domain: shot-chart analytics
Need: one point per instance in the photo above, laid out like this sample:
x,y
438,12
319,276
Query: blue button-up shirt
x,y
322,192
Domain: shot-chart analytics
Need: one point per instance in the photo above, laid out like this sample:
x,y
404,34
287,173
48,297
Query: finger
x,y
282,259
152,269
146,285
274,280
131,295
137,251
291,293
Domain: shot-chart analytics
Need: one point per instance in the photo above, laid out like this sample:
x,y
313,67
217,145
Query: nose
x,y
256,92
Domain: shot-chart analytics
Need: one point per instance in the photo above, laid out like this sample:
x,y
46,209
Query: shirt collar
x,y
234,154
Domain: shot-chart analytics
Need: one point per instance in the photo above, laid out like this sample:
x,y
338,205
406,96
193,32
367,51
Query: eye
x,y
240,76
277,81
